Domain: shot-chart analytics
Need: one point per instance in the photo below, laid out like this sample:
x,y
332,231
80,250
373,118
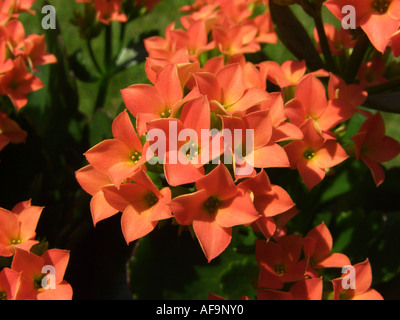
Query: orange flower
x,y
18,227
9,284
109,10
121,157
33,49
363,280
216,207
380,19
317,246
310,289
18,82
92,182
313,155
310,102
290,73
147,102
279,261
268,199
141,203
374,147
227,91
32,273
338,39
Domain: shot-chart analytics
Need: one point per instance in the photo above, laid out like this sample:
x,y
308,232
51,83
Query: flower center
x,y
309,154
136,156
3,295
381,6
150,199
16,241
192,150
37,281
212,204
166,113
280,269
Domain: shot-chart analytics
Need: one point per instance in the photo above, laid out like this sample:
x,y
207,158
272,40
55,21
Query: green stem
x,y
323,41
102,93
93,56
356,58
108,62
108,47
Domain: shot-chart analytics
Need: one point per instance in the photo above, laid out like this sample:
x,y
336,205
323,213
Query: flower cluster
x,y
25,276
181,149
20,55
292,268
380,20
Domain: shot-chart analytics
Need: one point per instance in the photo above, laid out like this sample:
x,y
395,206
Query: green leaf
x,y
100,127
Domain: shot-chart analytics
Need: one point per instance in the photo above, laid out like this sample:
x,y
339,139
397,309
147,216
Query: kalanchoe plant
x,y
245,146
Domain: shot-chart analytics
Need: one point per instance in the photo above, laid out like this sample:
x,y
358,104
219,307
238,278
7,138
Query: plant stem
x,y
92,56
108,47
323,41
356,58
384,86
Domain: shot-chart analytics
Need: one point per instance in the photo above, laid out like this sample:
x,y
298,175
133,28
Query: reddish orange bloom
x,y
279,261
161,47
236,39
313,155
290,73
121,157
310,102
188,149
268,199
10,131
18,227
379,19
227,91
194,39
362,290
264,153
355,94
18,82
338,39
9,284
13,33
92,182
33,49
317,247
14,7
310,289
282,130
147,102
33,269
374,147
372,72
109,10
216,207
141,203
